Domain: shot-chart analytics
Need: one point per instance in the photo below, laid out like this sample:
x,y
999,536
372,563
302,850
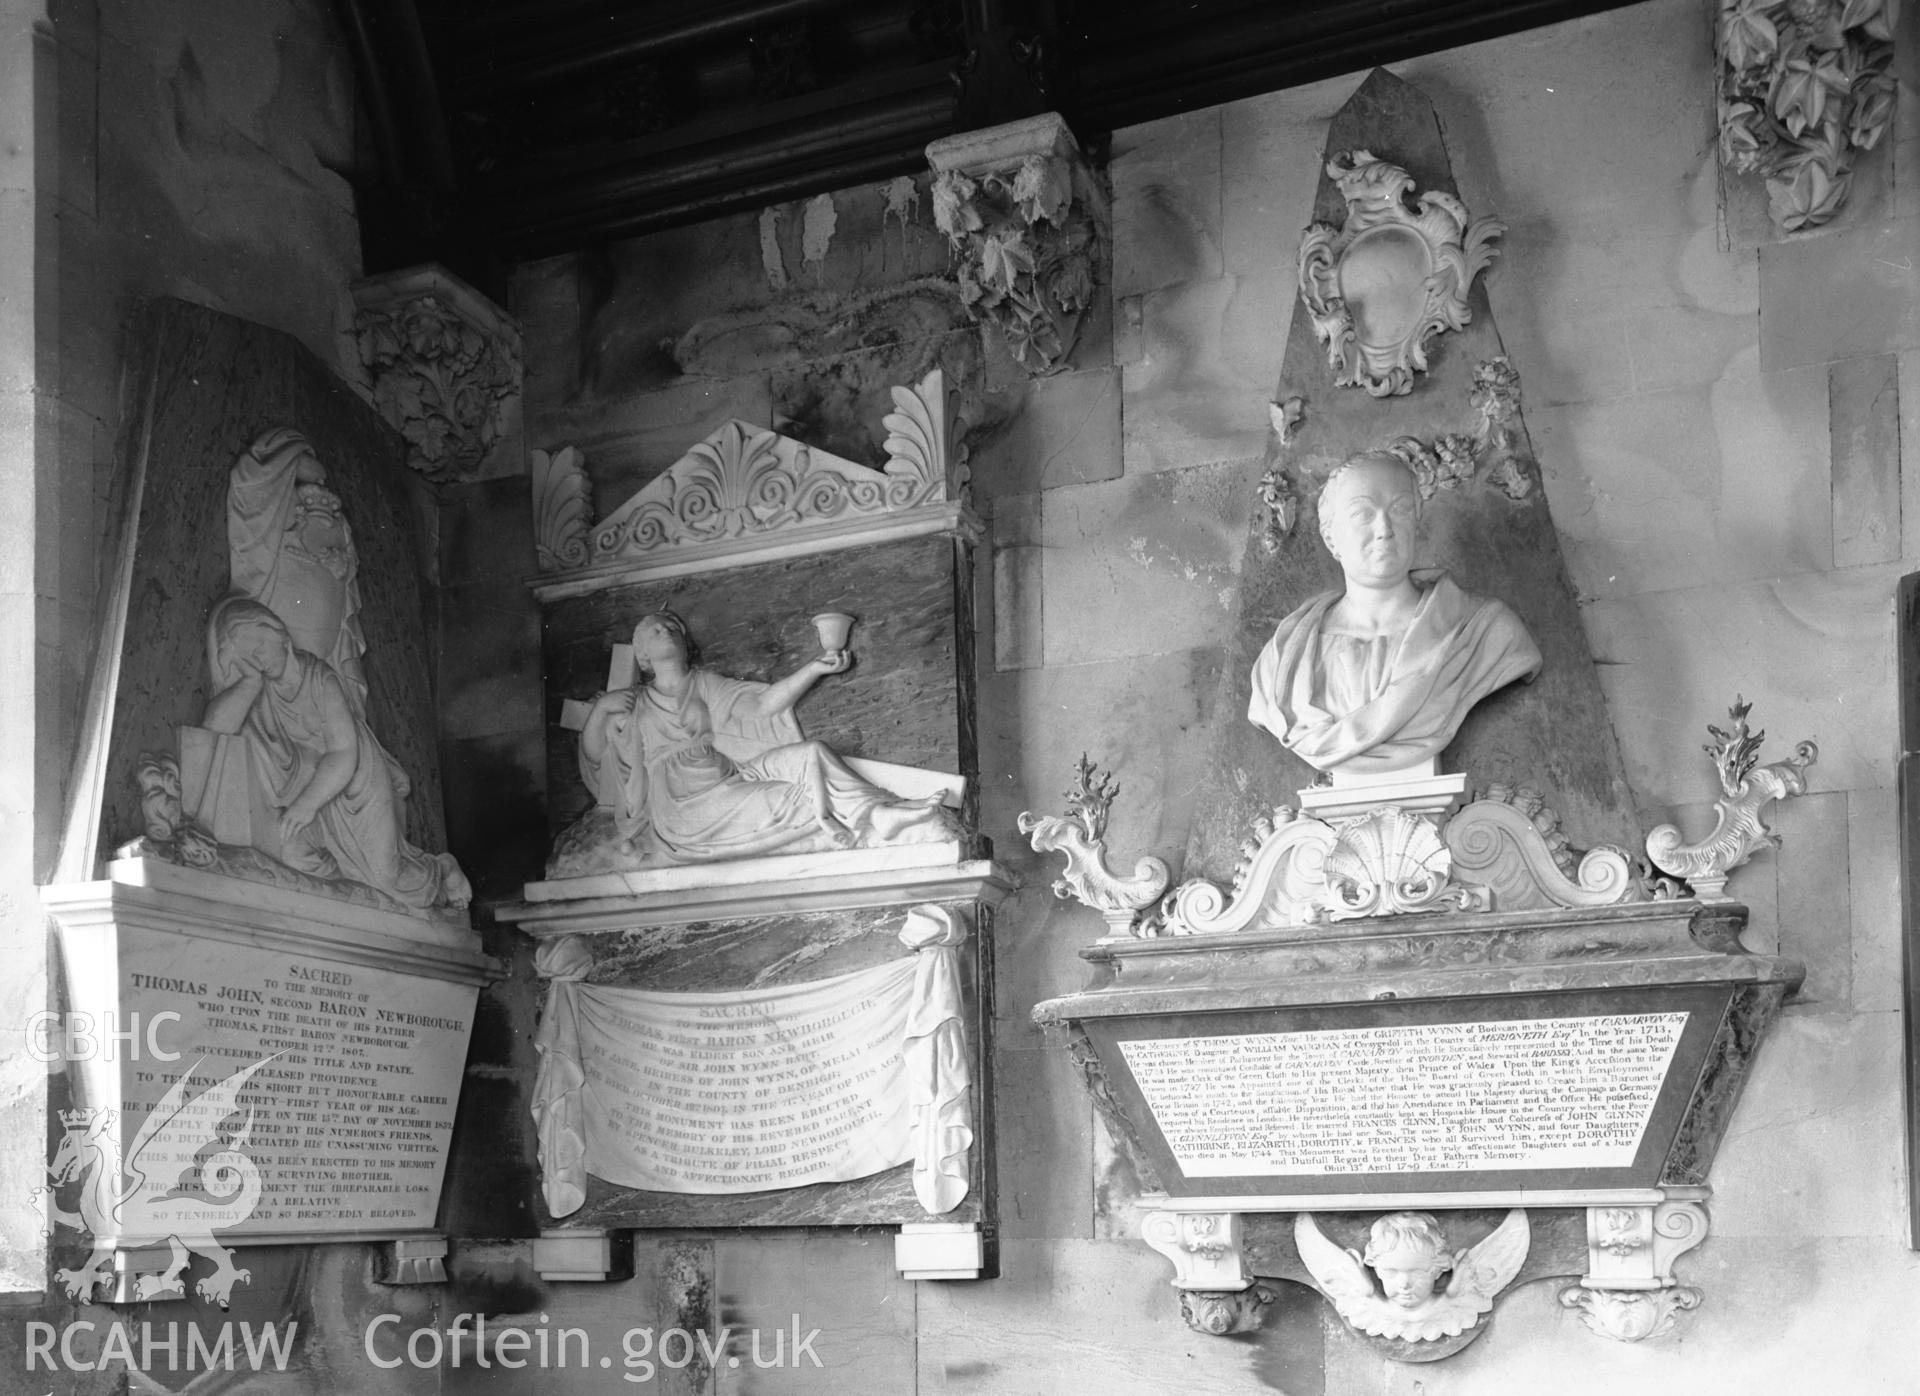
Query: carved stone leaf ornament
x,y
1022,231
1392,276
1805,86
442,378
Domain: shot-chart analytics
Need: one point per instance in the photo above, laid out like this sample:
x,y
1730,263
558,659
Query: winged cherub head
x,y
1408,1254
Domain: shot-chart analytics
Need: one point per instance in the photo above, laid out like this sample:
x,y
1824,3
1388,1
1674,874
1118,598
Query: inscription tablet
x,y
352,1111
1532,1093
1540,1091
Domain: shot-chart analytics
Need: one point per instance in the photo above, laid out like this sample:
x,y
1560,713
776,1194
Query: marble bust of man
x,y
1376,678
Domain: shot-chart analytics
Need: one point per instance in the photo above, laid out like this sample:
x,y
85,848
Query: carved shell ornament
x,y
1392,276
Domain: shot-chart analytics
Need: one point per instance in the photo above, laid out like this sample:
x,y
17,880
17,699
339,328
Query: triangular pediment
x,y
747,492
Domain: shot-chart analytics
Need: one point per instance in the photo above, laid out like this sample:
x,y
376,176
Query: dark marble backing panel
x,y
710,956
904,699
1723,1075
496,818
216,383
1554,733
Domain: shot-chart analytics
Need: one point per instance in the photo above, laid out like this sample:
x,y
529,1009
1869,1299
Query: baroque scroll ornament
x,y
1025,252
1805,87
1740,831
1392,276
1080,836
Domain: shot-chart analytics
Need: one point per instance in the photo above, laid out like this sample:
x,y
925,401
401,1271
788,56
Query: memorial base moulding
x,y
249,1065
1285,1094
796,1040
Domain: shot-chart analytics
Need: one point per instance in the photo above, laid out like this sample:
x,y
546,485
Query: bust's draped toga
x,y
1376,704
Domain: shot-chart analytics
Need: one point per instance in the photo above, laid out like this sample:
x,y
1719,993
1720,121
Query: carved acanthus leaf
x,y
1510,843
445,367
1219,1312
1502,852
562,508
1631,1315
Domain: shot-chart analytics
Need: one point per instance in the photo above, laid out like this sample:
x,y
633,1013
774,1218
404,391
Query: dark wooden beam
x,y
1146,62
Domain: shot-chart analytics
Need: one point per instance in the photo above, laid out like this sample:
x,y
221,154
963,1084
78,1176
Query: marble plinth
x,y
1579,1063
1390,981
337,1033
755,886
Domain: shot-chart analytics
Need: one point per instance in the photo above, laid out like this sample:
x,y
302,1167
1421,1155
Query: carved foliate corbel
x,y
1080,836
1024,218
1631,1315
445,367
1630,1293
1208,1249
1392,276
1805,87
1220,1312
1740,831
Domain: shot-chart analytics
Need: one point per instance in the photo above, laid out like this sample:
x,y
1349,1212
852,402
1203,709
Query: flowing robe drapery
x,y
1371,705
269,563
360,833
704,776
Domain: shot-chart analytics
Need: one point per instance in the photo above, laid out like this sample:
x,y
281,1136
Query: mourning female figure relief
x,y
333,791
283,781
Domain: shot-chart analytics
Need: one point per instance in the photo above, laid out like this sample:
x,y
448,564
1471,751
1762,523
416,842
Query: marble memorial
x,y
1416,1015
790,791
285,939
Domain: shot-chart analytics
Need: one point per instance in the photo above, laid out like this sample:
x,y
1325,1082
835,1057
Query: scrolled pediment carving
x,y
747,493
1392,276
